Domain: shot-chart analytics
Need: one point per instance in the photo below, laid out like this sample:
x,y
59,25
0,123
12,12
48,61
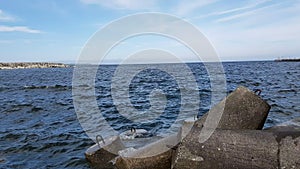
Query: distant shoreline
x,y
287,60
30,65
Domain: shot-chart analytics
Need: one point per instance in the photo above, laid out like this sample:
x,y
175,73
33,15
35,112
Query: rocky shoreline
x,y
29,65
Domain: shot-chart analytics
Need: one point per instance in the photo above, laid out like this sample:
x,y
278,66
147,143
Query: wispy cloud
x,y
5,17
236,16
18,29
123,4
253,10
265,32
188,6
234,10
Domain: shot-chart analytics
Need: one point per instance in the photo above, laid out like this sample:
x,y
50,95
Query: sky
x,y
57,31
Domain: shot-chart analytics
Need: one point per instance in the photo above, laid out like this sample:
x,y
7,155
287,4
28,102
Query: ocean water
x,y
39,127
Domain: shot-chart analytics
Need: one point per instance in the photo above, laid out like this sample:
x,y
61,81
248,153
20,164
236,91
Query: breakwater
x,y
236,142
287,60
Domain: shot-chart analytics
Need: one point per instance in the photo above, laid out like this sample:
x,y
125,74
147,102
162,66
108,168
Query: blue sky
x,y
57,30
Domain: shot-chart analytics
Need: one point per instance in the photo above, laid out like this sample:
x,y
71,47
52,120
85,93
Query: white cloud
x,y
123,4
18,29
5,17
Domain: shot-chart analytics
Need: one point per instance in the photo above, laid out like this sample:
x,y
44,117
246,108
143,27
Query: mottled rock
x,y
289,153
277,147
230,149
241,109
288,136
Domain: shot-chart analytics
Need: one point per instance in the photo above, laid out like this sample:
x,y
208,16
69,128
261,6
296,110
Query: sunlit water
x,y
39,127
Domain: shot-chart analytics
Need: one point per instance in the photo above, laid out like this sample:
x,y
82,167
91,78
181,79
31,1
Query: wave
x,y
48,87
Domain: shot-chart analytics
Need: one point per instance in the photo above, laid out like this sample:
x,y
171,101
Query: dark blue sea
x,y
39,127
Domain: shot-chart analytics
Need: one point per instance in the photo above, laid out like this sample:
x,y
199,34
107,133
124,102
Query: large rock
x,y
230,149
242,109
277,148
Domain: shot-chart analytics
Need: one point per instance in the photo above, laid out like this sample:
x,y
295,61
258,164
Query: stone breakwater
x,y
27,65
238,141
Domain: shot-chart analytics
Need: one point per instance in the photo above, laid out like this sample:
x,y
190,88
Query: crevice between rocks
x,y
278,155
